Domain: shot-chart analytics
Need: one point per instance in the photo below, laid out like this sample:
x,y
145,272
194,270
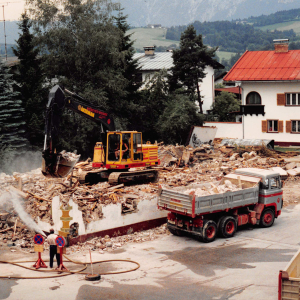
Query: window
x,y
253,98
264,185
114,147
137,146
295,126
272,125
292,98
275,183
138,78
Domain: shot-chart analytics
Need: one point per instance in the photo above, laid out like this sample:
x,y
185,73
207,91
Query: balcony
x,y
252,109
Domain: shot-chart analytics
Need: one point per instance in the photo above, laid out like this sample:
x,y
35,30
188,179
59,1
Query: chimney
x,y
281,46
149,51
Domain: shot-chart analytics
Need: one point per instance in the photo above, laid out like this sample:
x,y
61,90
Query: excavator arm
x,y
61,164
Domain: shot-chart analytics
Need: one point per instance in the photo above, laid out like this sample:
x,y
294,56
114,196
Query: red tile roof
x,y
266,65
235,90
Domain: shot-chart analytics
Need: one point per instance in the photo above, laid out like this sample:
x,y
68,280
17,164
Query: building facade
x,y
151,62
270,85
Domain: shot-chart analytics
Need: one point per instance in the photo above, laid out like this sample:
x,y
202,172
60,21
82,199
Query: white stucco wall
x,y
202,134
207,88
227,129
112,216
268,92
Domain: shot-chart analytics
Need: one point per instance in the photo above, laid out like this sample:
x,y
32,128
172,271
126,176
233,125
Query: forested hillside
x,y
233,36
278,17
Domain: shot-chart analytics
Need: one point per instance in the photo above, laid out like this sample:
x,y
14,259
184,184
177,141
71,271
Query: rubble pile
x,y
112,243
228,186
180,166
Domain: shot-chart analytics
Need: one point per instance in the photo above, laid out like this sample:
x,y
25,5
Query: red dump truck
x,y
257,200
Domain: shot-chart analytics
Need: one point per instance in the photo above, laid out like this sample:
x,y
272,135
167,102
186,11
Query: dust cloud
x,y
13,198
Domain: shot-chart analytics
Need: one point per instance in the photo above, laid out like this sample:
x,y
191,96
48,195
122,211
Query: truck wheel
x,y
267,218
209,231
227,227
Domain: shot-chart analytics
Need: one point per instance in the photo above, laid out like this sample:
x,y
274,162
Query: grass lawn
x,y
156,36
295,25
150,36
225,55
287,149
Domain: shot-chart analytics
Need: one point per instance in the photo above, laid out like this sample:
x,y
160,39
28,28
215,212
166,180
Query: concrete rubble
x,y
180,166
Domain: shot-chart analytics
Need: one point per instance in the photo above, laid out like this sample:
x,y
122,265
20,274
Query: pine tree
x,y
11,113
190,61
30,79
126,49
130,106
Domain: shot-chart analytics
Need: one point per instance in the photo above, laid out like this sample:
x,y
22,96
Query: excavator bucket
x,y
59,165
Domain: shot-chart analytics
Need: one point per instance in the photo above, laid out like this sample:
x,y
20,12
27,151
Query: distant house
x,y
236,90
154,25
219,80
151,62
270,84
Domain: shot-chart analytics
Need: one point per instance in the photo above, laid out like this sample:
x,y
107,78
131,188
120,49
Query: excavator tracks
x,y
143,176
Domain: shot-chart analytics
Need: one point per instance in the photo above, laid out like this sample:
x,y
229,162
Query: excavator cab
x,y
123,148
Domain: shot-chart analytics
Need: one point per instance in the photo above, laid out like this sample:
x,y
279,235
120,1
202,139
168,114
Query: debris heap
x,y
180,166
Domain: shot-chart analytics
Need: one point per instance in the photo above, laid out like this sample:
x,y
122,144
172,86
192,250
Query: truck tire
x,y
227,226
267,218
209,231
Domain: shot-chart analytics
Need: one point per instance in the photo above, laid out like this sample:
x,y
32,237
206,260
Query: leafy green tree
x,y
219,86
80,46
29,78
86,49
177,118
11,114
190,61
153,101
223,105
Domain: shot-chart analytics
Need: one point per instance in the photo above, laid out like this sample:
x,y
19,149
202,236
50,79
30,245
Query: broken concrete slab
x,y
282,172
291,165
294,172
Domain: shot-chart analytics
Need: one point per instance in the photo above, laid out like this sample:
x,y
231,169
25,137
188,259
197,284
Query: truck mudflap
x,y
181,231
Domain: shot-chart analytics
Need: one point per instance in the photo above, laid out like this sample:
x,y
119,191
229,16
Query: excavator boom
x,y
113,157
56,164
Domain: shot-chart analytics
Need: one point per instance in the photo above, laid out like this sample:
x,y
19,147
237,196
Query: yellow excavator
x,y
115,154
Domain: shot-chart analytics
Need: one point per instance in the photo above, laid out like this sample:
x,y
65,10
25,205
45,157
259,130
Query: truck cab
x,y
270,187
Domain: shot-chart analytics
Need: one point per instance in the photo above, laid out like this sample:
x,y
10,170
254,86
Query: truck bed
x,y
289,280
188,204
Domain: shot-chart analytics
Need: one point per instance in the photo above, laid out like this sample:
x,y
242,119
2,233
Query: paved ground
x,y
244,267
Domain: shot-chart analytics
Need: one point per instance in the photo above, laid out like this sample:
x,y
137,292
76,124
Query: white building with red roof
x,y
270,85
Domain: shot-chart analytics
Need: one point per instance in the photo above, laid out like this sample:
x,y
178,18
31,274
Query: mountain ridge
x,y
141,13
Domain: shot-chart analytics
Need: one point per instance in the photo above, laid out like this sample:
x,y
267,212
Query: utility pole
x,y
4,34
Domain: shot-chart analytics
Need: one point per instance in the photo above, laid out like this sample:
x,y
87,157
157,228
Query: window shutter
x,y
288,126
264,126
280,99
280,126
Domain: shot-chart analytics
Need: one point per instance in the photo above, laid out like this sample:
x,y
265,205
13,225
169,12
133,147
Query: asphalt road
x,y
243,267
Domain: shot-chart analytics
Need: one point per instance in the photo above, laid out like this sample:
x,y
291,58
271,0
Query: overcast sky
x,y
12,9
